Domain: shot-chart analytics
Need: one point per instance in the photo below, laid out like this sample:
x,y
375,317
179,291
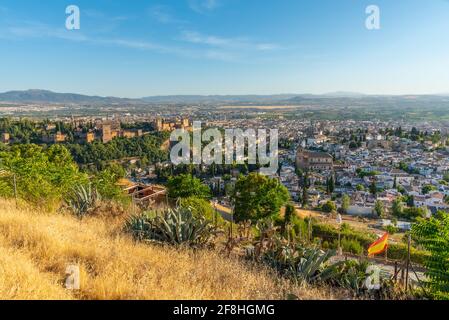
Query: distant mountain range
x,y
45,96
219,98
334,98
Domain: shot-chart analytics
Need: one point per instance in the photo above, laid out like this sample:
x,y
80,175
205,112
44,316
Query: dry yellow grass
x,y
35,249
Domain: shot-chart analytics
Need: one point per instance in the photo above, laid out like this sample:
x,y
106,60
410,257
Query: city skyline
x,y
219,47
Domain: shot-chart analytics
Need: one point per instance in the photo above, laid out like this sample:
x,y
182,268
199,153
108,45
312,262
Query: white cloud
x,y
162,14
203,6
28,30
223,42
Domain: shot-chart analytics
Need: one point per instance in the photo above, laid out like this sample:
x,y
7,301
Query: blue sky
x,y
144,47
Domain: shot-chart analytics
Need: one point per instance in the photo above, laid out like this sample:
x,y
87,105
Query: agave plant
x,y
313,266
174,226
83,199
350,274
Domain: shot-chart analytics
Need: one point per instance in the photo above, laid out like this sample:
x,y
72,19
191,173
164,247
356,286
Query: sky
x,y
143,47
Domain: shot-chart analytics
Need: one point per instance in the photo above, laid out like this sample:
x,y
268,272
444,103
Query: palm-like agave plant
x,y
304,265
174,226
350,274
83,199
313,265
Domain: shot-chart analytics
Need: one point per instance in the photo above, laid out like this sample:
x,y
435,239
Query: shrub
x,y
349,245
399,252
395,251
44,176
300,228
105,182
202,208
329,207
391,229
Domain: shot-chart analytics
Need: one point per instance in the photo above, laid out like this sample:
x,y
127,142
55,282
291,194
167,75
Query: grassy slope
x,y
35,249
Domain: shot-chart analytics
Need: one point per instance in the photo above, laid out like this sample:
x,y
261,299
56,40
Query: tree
x,y
345,203
428,188
379,208
44,176
258,197
373,188
288,216
398,207
305,192
330,185
446,176
411,201
105,182
395,183
360,187
432,234
186,186
353,145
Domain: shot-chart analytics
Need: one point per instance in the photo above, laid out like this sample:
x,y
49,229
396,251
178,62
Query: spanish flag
x,y
378,246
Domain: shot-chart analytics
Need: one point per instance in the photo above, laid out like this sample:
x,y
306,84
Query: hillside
x,y
36,247
45,96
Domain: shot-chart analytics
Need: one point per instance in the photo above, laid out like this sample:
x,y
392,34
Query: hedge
x,y
395,251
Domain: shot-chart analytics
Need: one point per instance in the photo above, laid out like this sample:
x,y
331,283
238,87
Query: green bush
x,y
329,207
44,175
349,245
202,208
391,229
300,228
395,251
330,233
399,252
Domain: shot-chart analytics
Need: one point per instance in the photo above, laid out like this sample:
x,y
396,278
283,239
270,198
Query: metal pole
x,y
408,261
339,241
232,222
15,189
395,278
215,214
309,229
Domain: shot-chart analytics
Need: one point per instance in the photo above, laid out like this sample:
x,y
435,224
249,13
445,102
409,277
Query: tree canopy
x,y
186,186
257,197
43,175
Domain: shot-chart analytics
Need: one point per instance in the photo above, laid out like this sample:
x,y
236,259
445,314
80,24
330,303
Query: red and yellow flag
x,y
378,246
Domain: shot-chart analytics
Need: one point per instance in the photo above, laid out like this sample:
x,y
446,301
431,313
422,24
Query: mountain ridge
x,y
51,97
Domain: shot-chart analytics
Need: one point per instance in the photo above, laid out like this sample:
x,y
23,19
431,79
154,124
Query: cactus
x,y
173,226
82,200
